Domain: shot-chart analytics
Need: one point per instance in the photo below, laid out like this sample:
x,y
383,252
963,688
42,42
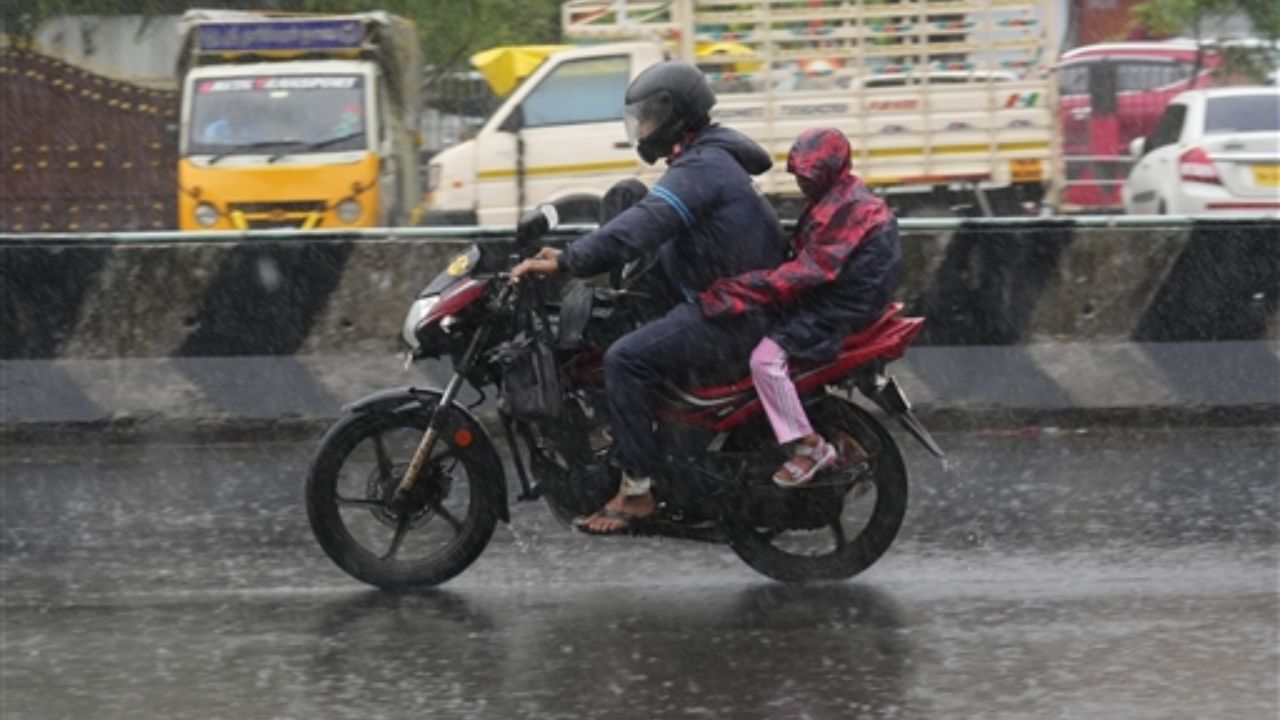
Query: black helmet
x,y
663,103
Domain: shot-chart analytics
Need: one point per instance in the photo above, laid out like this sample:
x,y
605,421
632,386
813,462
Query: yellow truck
x,y
298,121
946,102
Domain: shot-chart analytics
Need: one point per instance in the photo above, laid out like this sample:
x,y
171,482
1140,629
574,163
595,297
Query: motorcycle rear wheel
x,y
360,462
870,512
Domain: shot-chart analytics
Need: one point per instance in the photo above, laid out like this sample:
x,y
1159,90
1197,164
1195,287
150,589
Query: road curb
x,y
1025,421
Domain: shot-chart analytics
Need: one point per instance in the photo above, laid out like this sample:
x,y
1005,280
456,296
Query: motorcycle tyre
x,y
478,459
889,472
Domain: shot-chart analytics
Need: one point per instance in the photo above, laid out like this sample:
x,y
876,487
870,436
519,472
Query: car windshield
x,y
1242,113
297,113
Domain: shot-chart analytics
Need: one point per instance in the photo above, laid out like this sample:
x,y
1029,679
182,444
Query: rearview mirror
x,y
537,222
1138,146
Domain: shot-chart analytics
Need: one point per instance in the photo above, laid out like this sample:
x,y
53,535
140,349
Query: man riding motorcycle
x,y
706,221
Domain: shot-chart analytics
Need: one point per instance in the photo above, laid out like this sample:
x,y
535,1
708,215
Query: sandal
x,y
791,474
631,522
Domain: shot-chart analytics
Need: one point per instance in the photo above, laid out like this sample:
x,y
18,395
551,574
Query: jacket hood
x,y
822,157
753,158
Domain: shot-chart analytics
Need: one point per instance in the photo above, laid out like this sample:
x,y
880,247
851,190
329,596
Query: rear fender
x,y
415,400
885,392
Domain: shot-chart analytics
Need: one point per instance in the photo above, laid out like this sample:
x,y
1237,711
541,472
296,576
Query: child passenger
x,y
846,266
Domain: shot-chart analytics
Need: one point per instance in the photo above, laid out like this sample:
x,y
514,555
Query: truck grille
x,y
266,215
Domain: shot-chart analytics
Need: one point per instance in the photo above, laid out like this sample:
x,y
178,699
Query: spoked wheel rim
x,y
427,499
852,513
442,527
856,484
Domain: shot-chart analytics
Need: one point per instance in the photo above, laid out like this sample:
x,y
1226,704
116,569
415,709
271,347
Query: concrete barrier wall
x,y
1043,314
980,285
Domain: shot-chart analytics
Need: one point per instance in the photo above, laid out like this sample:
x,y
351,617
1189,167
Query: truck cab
x,y
309,132
557,138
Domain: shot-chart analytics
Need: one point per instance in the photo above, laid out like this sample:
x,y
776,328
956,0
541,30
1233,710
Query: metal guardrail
x,y
467,234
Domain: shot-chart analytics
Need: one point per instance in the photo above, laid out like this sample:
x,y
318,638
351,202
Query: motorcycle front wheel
x,y
841,525
448,522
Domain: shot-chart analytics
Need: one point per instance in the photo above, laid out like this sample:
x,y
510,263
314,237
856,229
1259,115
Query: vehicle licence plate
x,y
1266,175
1024,171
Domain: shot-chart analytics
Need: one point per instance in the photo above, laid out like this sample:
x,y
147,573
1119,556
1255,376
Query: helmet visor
x,y
642,117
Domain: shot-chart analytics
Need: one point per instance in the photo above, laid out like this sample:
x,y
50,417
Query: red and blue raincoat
x,y
846,265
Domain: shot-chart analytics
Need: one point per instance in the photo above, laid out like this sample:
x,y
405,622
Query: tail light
x,y
1194,165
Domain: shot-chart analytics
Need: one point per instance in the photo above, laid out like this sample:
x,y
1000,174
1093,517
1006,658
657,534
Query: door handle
x,y
622,145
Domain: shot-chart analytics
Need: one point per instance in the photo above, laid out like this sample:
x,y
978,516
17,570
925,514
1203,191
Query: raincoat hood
x,y
747,152
822,157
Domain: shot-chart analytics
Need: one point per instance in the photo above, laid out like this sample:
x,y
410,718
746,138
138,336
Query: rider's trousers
x,y
669,347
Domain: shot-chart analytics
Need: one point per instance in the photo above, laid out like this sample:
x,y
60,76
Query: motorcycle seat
x,y
706,388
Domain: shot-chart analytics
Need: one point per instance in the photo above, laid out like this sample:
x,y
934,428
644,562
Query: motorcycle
x,y
407,486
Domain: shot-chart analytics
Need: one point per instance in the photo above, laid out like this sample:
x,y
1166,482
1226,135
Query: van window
x,y
1132,76
1169,128
1074,80
579,91
1242,113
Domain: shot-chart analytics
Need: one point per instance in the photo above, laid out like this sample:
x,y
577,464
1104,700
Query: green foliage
x,y
1199,19
1265,15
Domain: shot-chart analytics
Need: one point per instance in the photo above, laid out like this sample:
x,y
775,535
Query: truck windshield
x,y
293,113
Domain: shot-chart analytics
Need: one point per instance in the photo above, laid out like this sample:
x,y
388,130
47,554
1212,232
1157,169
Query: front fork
x,y
401,502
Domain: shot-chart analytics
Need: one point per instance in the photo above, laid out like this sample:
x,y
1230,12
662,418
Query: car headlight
x,y
417,311
206,215
348,211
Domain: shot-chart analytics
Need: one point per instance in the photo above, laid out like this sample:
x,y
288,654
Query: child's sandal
x,y
790,475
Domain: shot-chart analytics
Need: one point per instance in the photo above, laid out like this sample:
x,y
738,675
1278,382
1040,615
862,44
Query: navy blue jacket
x,y
704,216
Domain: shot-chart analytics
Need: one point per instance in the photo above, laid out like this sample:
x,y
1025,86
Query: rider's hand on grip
x,y
546,262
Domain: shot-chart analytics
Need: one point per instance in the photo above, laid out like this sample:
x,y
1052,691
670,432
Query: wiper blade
x,y
317,145
241,147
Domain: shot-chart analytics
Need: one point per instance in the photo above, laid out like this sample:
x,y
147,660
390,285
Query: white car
x,y
1213,151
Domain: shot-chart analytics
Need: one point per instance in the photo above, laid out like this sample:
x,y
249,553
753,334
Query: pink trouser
x,y
778,393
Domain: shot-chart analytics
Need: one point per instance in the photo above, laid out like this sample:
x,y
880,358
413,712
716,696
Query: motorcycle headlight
x,y
206,215
417,311
348,211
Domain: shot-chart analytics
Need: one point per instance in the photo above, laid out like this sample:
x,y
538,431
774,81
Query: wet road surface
x,y
1107,574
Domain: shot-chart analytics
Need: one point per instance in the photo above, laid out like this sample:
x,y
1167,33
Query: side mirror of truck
x,y
171,134
1138,147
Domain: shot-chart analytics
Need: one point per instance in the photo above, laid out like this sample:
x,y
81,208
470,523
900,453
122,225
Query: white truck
x,y
945,103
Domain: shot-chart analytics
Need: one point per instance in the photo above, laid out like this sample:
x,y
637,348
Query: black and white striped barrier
x,y
1091,315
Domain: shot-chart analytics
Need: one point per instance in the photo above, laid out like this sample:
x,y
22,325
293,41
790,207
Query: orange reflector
x,y
462,437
